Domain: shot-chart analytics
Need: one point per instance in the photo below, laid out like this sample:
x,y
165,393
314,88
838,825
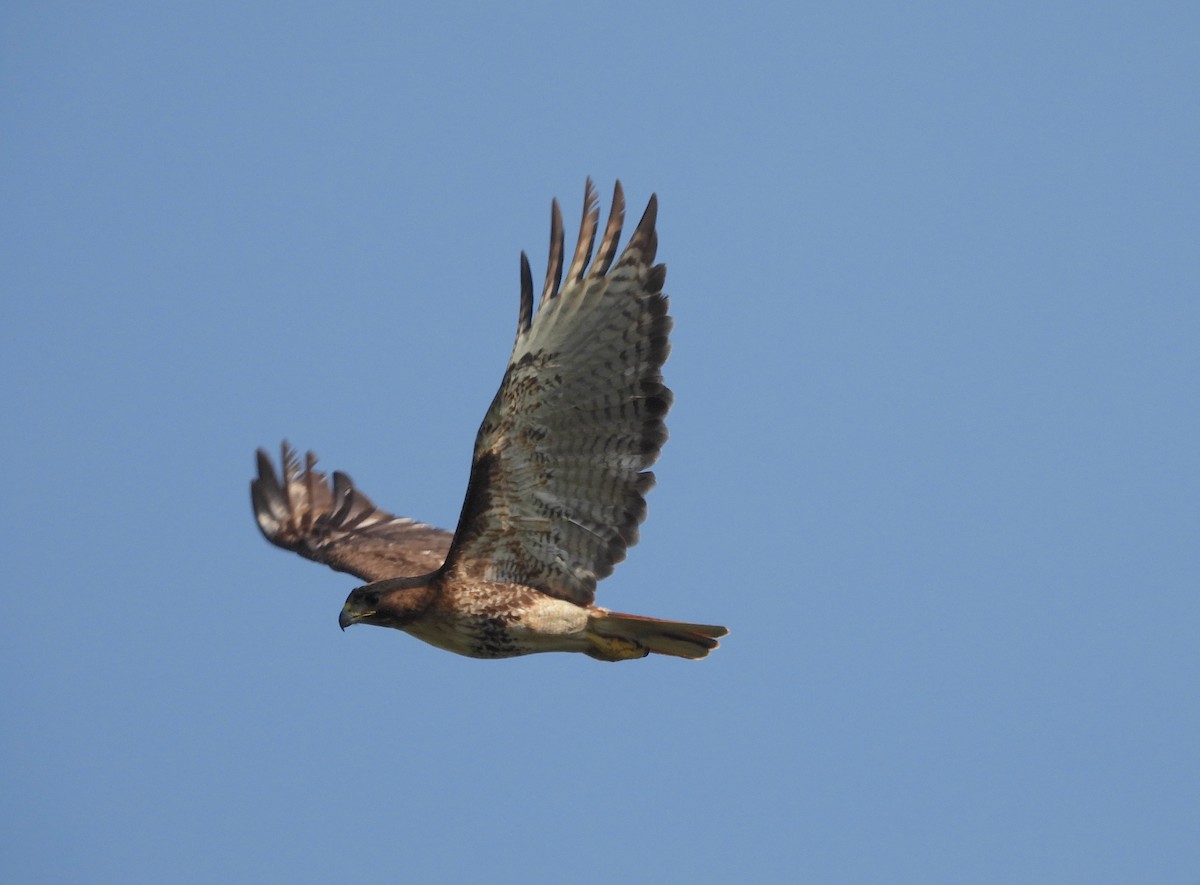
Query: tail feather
x,y
693,641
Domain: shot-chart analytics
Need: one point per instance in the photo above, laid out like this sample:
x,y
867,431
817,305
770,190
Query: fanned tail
x,y
617,637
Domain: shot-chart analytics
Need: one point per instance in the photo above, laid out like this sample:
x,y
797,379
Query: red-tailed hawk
x,y
557,482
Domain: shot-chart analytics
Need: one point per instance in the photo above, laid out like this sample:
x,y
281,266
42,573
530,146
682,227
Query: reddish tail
x,y
618,636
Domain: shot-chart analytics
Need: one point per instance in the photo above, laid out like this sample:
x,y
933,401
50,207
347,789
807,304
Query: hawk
x,y
558,478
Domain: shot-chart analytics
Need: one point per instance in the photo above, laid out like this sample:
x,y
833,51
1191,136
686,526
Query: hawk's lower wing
x,y
334,523
559,472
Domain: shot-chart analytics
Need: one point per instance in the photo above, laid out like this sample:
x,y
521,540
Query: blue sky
x,y
934,271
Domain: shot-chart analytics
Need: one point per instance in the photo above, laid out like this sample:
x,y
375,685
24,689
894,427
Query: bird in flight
x,y
558,478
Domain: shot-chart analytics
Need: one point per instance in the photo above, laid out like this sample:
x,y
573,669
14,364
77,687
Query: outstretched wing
x,y
335,523
559,473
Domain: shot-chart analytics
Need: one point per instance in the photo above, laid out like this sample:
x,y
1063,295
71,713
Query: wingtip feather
x,y
554,264
525,310
587,233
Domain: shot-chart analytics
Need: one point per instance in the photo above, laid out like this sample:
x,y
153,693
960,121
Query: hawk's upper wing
x,y
559,471
336,524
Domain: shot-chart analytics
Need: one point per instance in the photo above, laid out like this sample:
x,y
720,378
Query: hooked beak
x,y
348,617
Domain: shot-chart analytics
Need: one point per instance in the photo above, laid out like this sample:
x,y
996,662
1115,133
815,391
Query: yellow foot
x,y
612,648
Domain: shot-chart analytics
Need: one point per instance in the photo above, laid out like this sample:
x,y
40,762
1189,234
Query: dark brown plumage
x,y
558,479
331,521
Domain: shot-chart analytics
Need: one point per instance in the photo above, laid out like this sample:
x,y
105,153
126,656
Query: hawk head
x,y
396,602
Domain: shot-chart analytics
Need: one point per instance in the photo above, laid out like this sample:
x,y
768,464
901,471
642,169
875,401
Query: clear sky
x,y
935,275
